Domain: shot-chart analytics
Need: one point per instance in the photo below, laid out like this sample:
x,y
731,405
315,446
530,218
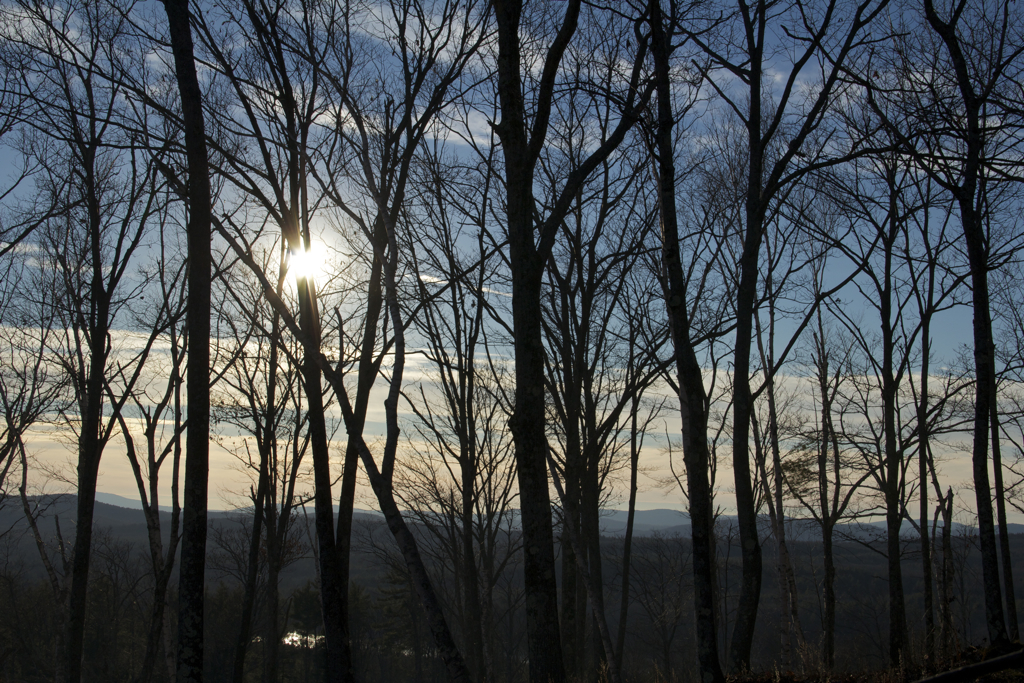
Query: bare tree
x,y
191,582
969,78
262,397
160,410
378,120
526,110
462,491
780,124
104,185
595,368
827,484
32,387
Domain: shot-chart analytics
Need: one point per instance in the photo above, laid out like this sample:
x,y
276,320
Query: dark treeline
x,y
391,642
506,264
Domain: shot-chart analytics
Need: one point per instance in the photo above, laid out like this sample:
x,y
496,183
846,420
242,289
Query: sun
x,y
309,264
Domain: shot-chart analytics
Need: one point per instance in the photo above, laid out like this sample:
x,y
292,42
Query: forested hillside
x,y
392,643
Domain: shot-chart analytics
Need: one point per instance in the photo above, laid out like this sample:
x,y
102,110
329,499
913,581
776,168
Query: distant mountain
x,y
645,522
132,504
668,522
117,519
122,502
124,514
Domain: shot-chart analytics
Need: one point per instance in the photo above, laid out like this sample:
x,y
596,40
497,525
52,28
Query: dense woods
x,y
495,269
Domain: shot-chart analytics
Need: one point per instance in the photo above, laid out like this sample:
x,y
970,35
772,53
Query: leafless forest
x,y
505,264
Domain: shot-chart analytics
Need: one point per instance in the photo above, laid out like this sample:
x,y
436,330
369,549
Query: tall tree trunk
x,y
594,595
984,363
569,614
574,611
252,564
627,543
692,397
333,593
90,443
922,463
829,513
591,541
367,373
746,512
746,292
88,470
892,465
272,632
528,419
263,484
946,587
789,609
197,442
829,590
156,627
528,433
1004,532
984,390
161,567
473,627
522,144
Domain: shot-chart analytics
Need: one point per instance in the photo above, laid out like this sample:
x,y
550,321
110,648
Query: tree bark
x,y
966,196
1004,532
946,587
249,595
923,446
892,461
627,543
197,443
528,420
692,397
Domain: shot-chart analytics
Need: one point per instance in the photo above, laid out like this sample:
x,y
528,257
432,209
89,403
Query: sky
x,y
53,456
54,453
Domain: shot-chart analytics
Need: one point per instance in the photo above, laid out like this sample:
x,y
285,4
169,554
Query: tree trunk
x,y
473,627
746,512
598,658
367,373
528,420
569,614
984,362
627,544
923,458
333,593
946,587
272,633
574,611
1004,532
197,444
692,397
253,561
825,498
746,292
829,646
984,390
528,433
892,471
88,470
90,443
789,609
